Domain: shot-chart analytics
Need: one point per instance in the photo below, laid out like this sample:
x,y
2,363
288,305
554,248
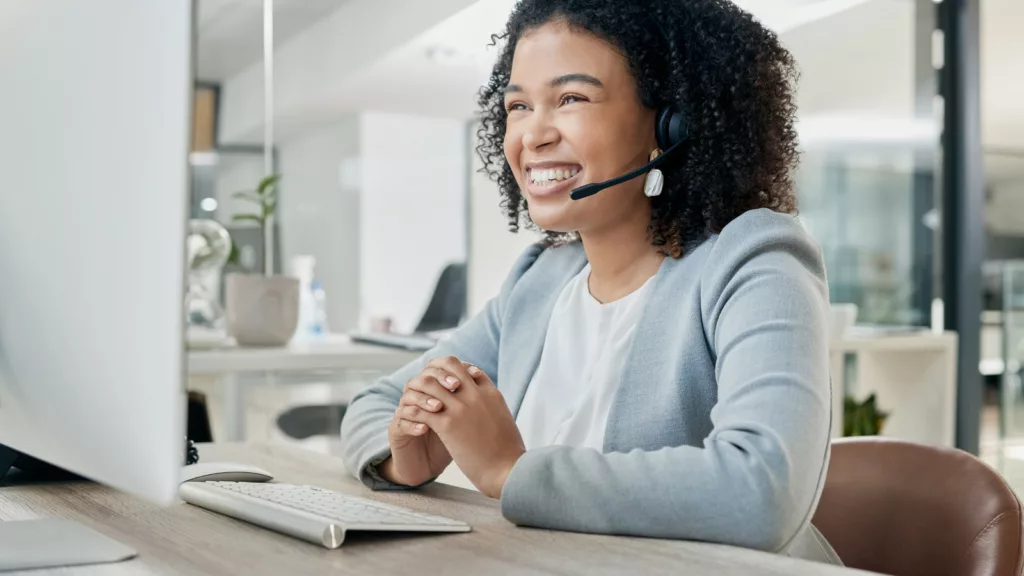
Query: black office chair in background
x,y
445,311
448,304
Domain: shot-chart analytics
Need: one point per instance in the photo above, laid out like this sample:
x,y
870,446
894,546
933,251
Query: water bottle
x,y
312,306
318,323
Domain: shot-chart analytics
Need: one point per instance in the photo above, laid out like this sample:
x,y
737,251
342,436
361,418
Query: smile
x,y
550,179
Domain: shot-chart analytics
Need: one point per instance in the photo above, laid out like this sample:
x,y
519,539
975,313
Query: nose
x,y
540,132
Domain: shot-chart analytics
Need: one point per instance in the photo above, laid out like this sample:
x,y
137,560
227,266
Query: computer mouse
x,y
224,472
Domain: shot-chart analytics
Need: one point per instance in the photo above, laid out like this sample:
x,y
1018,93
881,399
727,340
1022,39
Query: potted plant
x,y
262,309
862,418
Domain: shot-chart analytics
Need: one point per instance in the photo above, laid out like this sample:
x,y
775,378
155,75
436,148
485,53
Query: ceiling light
x,y
203,158
867,130
208,204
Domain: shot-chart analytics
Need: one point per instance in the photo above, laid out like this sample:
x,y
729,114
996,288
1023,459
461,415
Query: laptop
x,y
444,312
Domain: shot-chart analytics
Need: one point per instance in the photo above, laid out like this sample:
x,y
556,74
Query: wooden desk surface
x,y
184,539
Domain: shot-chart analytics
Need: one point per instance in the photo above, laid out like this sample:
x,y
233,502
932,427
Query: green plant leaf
x,y
235,256
248,197
268,184
247,218
862,418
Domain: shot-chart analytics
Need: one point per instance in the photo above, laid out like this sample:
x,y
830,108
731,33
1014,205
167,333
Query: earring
x,y
655,181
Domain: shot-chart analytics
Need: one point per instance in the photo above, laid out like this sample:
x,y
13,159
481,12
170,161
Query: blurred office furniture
x,y
234,368
445,311
303,422
908,509
198,427
911,372
184,539
411,342
448,304
1008,330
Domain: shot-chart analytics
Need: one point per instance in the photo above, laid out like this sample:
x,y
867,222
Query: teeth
x,y
556,174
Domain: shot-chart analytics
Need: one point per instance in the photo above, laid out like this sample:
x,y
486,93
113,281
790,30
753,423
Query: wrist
x,y
386,470
497,483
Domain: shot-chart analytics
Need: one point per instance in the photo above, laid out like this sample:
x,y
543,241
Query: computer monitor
x,y
95,106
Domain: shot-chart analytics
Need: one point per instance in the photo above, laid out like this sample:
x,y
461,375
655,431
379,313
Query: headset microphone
x,y
670,131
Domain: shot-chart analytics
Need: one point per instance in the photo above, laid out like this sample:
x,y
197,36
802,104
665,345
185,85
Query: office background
x,y
375,133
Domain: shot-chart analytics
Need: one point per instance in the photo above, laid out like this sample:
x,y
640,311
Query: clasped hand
x,y
452,410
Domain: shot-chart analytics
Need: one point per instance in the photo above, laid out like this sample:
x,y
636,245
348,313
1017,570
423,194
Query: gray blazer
x,y
719,430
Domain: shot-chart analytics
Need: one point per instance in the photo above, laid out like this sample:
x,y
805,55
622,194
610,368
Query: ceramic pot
x,y
261,310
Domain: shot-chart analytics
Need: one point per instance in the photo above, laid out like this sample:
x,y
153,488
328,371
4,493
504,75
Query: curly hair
x,y
729,75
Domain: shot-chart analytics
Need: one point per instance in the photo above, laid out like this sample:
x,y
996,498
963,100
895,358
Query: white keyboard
x,y
309,513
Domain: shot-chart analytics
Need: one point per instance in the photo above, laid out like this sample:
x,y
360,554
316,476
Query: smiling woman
x,y
729,76
658,366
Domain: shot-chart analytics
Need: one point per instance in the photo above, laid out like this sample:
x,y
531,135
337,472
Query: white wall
x,y
492,248
1005,212
233,173
314,70
319,213
857,62
412,210
1002,84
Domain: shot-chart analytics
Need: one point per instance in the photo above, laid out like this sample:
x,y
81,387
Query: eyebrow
x,y
561,81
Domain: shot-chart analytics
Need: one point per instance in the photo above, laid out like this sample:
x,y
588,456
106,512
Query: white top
x,y
585,351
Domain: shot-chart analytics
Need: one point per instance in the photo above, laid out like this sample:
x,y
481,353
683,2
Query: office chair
x,y
198,427
910,509
448,304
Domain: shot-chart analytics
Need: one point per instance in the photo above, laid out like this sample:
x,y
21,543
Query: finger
x,y
478,375
411,428
426,383
400,427
443,377
454,366
414,398
417,415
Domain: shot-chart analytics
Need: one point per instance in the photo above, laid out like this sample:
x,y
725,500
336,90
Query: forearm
x,y
364,433
739,489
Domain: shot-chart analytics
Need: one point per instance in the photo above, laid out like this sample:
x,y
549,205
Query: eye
x,y
571,99
515,106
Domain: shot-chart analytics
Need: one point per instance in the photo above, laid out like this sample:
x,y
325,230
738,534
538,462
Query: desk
x,y
187,540
913,376
335,353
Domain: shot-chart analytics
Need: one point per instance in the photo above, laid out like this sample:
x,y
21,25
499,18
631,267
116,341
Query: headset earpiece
x,y
670,128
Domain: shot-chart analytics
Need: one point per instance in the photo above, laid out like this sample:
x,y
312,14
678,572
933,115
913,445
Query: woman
x,y
658,365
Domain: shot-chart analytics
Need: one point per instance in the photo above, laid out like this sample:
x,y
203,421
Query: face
x,y
575,118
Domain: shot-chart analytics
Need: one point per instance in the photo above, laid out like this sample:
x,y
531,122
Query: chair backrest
x,y
448,304
909,509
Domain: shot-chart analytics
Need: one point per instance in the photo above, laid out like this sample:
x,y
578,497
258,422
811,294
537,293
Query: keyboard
x,y
411,342
310,513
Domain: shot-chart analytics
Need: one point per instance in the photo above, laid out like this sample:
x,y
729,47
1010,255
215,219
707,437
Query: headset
x,y
670,131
